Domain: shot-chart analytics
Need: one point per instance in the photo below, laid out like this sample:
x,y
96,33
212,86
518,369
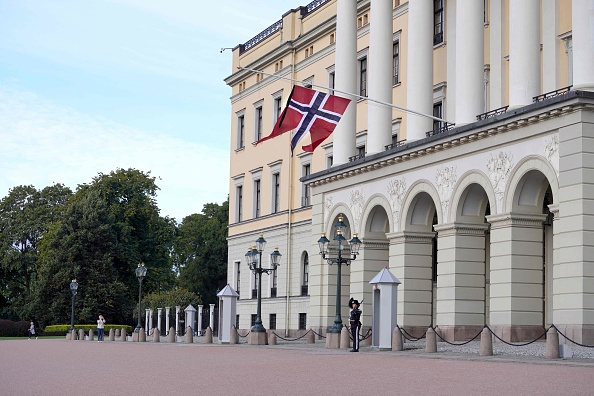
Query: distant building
x,y
486,219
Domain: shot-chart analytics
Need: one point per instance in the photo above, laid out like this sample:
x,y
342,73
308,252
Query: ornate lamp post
x,y
354,243
73,289
140,274
253,259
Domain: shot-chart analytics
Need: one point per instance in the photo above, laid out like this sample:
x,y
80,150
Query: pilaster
x,y
582,12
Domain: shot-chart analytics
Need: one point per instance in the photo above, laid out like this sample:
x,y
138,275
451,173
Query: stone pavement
x,y
61,367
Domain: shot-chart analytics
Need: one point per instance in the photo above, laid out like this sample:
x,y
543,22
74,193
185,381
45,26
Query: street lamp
x,y
73,289
140,274
354,243
253,259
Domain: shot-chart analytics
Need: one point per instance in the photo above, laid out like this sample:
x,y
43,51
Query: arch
x,y
415,202
466,199
371,217
525,189
348,219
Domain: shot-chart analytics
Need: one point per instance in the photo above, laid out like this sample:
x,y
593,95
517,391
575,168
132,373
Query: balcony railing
x,y
552,94
492,113
311,7
446,127
263,35
304,290
356,157
397,144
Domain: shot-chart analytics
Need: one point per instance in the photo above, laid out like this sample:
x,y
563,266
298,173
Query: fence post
x,y
311,337
171,335
552,344
81,334
156,335
271,338
430,341
208,335
111,334
486,343
234,337
123,335
397,340
345,341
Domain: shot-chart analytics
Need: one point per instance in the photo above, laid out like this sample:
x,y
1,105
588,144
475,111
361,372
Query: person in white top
x,y
32,331
100,326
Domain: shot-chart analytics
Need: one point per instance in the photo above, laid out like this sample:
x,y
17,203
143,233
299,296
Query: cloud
x,y
42,143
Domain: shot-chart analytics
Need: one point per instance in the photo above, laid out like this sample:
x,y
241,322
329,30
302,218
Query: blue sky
x,y
89,86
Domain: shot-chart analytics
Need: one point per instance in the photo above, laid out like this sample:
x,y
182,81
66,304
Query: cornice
x,y
442,142
469,229
516,219
409,236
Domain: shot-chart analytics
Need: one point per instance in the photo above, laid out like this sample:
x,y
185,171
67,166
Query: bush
x,y
63,329
8,328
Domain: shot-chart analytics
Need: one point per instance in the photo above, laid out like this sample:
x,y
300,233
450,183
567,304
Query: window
x,y
254,288
437,22
240,131
239,200
362,20
254,316
237,276
278,108
258,117
332,38
272,324
274,287
257,196
329,161
236,321
361,151
308,82
363,77
396,3
396,63
437,112
486,11
242,86
276,192
332,82
305,283
302,321
305,189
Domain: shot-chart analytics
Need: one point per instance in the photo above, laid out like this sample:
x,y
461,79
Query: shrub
x,y
63,329
8,328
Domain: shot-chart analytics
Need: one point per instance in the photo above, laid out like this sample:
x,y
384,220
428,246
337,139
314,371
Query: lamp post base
x,y
259,338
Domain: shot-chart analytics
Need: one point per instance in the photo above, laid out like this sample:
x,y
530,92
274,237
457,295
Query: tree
x,y
200,251
25,217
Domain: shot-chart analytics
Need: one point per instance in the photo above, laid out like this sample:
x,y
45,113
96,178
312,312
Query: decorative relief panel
x,y
396,191
445,180
551,152
327,207
356,206
499,167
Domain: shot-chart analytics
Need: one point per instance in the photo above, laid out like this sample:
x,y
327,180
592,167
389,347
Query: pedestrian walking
x,y
32,331
100,327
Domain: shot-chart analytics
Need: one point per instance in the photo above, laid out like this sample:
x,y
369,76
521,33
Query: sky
x,y
90,86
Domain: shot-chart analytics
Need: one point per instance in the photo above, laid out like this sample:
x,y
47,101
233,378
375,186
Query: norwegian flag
x,y
309,110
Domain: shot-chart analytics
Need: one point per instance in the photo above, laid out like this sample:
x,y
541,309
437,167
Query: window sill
x,y
239,149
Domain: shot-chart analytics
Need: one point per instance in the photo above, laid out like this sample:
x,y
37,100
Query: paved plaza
x,y
61,367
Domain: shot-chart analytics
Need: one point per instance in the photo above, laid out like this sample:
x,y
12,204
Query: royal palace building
x,y
465,164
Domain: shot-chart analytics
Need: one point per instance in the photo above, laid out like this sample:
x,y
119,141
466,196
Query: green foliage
x,y
25,216
200,251
172,298
63,329
9,328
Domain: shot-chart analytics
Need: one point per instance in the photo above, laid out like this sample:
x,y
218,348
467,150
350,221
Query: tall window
x,y
237,321
363,77
240,132
305,187
257,195
278,107
437,22
237,276
305,284
331,82
258,123
254,316
396,62
239,200
272,324
302,321
437,112
276,193
329,161
274,284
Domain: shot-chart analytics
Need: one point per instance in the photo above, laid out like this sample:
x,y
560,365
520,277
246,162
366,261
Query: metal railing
x,y
263,35
356,157
446,127
492,113
397,144
552,94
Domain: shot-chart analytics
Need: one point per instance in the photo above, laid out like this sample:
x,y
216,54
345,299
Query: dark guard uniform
x,y
355,320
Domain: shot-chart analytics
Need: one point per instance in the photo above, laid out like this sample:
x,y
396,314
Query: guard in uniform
x,y
355,321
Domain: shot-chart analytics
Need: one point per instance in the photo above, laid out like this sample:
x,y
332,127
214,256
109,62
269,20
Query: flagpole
x,y
350,94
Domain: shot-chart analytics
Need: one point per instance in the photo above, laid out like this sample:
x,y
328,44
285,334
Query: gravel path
x,y
60,367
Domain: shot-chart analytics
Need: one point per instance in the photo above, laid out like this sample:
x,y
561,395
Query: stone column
x,y
373,256
212,306
582,19
379,129
470,64
550,45
516,275
167,312
346,79
461,280
450,22
419,80
199,326
411,262
524,52
148,328
496,40
159,314
177,309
